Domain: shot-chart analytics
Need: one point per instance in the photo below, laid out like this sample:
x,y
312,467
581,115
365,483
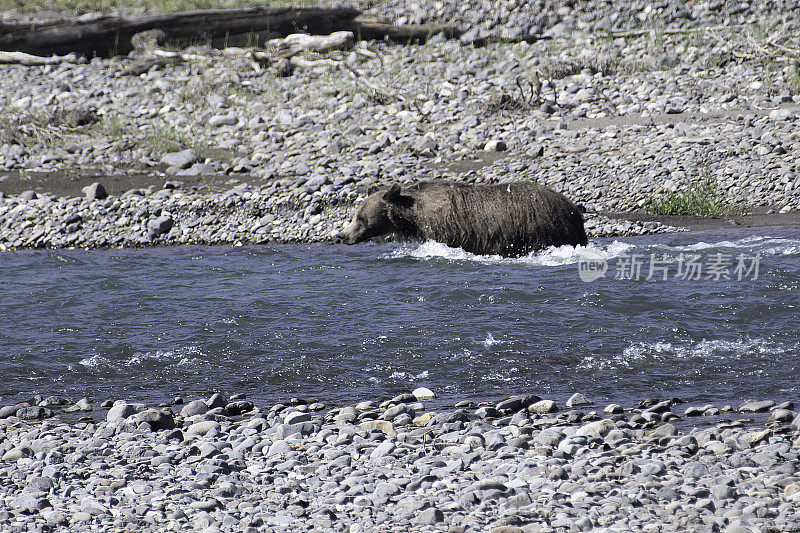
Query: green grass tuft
x,y
166,138
701,198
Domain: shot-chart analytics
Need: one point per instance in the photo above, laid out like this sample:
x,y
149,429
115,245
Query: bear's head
x,y
375,218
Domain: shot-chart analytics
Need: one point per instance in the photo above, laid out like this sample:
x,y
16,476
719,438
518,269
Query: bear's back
x,y
509,219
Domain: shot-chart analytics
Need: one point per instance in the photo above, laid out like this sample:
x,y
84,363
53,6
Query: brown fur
x,y
509,219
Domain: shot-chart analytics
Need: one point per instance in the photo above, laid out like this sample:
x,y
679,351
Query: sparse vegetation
x,y
794,77
114,126
701,198
166,138
30,128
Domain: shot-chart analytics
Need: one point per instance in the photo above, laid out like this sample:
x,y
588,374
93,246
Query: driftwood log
x,y
111,35
106,35
367,29
21,58
299,42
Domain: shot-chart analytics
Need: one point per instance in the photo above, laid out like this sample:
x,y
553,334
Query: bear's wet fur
x,y
509,219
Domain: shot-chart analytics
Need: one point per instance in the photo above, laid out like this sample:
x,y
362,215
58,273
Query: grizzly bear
x,y
510,219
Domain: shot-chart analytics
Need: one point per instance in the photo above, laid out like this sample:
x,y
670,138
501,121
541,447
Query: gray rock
x,y
384,426
782,114
780,415
33,413
8,410
198,169
202,427
156,419
577,400
279,447
495,145
695,469
383,449
195,407
182,159
121,411
30,502
543,407
81,405
516,403
216,400
430,516
426,146
653,468
95,191
664,430
600,428
754,406
40,484
223,120
159,226
296,417
795,425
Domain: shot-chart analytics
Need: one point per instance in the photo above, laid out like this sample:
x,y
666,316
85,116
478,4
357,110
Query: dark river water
x,y
343,323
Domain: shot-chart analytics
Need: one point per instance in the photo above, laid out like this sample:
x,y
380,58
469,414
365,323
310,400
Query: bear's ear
x,y
393,194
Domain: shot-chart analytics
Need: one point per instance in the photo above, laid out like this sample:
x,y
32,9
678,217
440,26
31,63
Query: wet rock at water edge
x,y
756,406
422,393
159,226
577,400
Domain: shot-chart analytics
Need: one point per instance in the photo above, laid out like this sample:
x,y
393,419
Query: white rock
x,y
421,393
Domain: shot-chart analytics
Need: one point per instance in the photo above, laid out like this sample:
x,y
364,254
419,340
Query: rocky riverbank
x,y
521,464
241,215
612,119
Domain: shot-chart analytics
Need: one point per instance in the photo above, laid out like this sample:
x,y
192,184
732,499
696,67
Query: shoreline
x,y
173,215
520,464
150,210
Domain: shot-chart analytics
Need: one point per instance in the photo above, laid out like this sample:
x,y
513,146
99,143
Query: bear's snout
x,y
344,238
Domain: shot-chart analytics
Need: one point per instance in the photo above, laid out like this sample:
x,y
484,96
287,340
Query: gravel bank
x,y
612,122
521,464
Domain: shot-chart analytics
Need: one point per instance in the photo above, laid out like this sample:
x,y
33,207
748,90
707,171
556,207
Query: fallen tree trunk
x,y
111,35
367,29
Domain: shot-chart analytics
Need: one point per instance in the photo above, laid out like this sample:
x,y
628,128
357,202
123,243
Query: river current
x,y
343,324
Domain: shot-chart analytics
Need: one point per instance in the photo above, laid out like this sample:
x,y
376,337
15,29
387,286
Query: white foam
x,y
408,376
93,361
552,256
490,341
763,244
708,350
180,357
